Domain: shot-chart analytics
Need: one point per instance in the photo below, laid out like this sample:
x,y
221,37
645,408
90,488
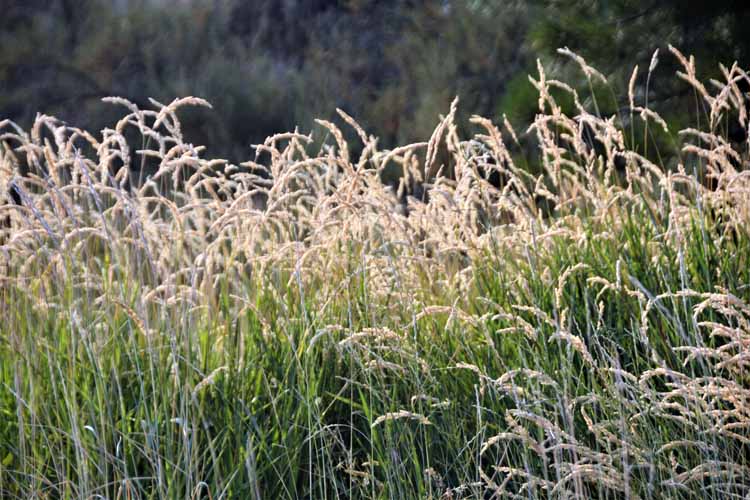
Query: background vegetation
x,y
268,66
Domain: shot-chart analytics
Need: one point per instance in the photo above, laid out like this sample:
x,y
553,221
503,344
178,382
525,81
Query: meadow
x,y
567,320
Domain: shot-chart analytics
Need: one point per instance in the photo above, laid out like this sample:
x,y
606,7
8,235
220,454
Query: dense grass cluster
x,y
295,327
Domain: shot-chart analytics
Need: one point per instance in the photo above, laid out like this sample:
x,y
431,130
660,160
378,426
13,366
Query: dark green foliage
x,y
268,66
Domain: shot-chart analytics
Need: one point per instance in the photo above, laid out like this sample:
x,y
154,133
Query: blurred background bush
x,y
270,65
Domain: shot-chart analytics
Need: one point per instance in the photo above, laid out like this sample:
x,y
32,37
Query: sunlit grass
x,y
295,327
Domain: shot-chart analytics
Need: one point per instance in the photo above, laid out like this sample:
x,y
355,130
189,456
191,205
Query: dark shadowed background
x,y
268,66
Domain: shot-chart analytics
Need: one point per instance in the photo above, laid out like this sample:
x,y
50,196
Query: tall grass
x,y
295,327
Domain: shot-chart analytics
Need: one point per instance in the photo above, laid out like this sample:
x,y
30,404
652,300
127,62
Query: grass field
x,y
295,327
